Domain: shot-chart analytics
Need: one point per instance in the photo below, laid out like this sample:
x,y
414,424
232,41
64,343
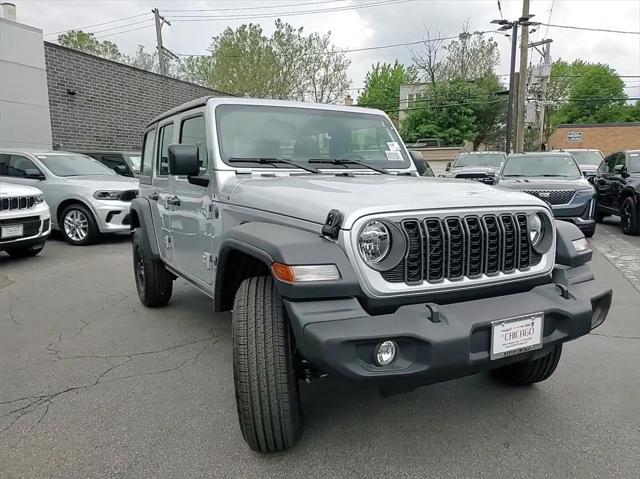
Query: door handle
x,y
173,201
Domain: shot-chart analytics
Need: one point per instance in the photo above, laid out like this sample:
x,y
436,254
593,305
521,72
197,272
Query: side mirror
x,y
448,167
33,174
121,170
418,161
620,170
183,160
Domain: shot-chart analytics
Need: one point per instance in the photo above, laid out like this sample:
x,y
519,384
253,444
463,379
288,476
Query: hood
x,y
312,197
11,189
545,184
104,182
588,167
473,169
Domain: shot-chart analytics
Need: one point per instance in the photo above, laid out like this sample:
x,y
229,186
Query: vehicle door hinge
x,y
208,260
168,242
210,211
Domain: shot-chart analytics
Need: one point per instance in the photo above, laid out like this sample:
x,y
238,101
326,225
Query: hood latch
x,y
331,227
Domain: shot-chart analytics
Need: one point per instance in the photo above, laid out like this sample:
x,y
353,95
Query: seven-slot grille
x,y
17,202
554,197
454,247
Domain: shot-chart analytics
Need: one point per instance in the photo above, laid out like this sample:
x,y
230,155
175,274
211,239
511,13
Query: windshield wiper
x,y
271,161
513,176
347,161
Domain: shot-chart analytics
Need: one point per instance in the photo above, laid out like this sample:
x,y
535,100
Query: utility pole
x,y
522,84
546,70
162,61
513,26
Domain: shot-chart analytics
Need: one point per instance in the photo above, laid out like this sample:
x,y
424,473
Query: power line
x,y
125,31
549,19
589,29
98,24
261,7
120,26
253,16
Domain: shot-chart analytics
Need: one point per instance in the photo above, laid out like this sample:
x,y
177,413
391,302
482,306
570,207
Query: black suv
x,y
617,184
125,163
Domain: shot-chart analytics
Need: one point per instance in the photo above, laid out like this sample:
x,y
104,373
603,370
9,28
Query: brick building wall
x,y
100,104
605,137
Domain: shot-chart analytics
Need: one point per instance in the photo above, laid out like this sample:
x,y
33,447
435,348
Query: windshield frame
x,y
478,155
219,111
43,160
511,157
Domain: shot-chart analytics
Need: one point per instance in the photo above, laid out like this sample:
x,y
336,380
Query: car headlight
x,y
586,192
107,195
540,232
374,242
40,198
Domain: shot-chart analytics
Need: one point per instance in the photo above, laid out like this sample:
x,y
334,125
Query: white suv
x,y
25,221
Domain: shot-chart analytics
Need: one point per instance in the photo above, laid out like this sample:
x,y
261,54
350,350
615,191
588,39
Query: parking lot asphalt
x,y
93,384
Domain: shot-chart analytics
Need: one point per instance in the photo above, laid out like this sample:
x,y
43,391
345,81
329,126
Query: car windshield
x,y
135,161
301,134
479,159
73,165
634,162
586,158
541,165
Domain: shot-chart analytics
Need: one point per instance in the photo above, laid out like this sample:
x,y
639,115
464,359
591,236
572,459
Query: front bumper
x,y
36,223
112,216
438,342
580,212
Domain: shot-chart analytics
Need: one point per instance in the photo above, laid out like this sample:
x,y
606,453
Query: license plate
x,y
516,335
11,231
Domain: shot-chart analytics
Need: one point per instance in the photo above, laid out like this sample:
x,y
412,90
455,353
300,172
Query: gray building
x,y
24,102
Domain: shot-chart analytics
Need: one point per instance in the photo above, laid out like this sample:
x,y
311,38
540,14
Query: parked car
x,y
617,184
476,165
334,258
86,198
422,166
588,160
125,163
556,179
25,221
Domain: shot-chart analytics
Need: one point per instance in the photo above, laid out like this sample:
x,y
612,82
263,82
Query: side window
x,y
111,161
611,161
4,165
165,138
18,165
620,161
193,132
147,152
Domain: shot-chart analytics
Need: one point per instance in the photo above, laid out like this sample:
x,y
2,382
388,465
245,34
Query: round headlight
x,y
374,242
536,229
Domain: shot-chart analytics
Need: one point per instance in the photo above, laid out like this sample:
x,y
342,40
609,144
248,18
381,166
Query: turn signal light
x,y
305,273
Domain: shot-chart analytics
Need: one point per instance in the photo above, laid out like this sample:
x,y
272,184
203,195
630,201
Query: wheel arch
x,y
70,201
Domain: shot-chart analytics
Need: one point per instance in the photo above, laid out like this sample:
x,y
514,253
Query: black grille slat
x,y
509,243
436,258
455,237
17,202
493,245
413,260
524,249
475,246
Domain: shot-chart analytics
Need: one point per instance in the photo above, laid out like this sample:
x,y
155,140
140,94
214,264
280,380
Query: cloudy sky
x,y
357,24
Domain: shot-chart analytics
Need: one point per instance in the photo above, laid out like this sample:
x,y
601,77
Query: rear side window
x,y
193,132
165,138
147,153
16,166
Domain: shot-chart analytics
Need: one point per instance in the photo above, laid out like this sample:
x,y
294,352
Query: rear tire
x,y
629,217
266,386
153,282
529,372
25,251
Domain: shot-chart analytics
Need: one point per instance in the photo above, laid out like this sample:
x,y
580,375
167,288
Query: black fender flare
x,y
142,218
566,253
272,243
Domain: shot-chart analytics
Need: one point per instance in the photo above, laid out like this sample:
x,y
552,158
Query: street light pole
x,y
512,85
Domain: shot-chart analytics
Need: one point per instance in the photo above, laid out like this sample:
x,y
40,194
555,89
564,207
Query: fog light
x,y
580,245
386,353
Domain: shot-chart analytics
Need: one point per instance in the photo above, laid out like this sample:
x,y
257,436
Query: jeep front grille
x,y
454,248
17,203
554,197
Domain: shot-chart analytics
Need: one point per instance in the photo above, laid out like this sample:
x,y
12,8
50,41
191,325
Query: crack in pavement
x,y
614,336
35,401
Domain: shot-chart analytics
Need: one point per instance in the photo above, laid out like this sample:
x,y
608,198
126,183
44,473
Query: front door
x,y
193,217
161,194
602,182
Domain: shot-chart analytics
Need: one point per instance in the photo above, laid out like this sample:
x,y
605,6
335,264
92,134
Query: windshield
x,y
634,162
73,165
586,158
479,159
135,162
541,165
302,134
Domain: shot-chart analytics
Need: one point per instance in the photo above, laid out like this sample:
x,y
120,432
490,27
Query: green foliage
x,y
382,86
471,56
86,42
446,114
286,65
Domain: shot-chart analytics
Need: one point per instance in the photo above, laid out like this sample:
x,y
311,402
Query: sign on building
x,y
574,136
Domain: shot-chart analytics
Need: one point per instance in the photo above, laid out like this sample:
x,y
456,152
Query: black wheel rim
x,y
139,269
626,216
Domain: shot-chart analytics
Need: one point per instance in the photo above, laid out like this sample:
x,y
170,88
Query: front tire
x,y
25,251
266,386
529,372
78,226
629,217
153,282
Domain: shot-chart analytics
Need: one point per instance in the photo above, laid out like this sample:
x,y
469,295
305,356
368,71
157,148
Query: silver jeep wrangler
x,y
310,223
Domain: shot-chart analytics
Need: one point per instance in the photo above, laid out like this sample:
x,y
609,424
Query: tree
x,y
286,65
469,57
430,59
86,42
489,110
144,60
446,114
382,86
